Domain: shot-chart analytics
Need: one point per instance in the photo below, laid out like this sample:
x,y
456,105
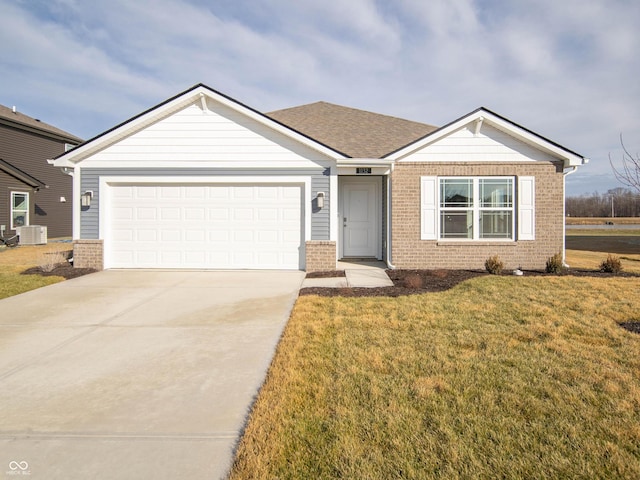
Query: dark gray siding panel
x,y
29,152
90,180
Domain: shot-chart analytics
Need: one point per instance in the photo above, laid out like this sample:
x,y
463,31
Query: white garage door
x,y
205,226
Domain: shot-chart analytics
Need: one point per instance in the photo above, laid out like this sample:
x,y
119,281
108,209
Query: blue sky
x,y
567,70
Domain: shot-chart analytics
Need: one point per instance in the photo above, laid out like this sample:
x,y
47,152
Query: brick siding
x,y
88,254
409,251
320,256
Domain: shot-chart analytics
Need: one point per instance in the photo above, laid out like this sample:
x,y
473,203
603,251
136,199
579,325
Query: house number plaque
x,y
363,171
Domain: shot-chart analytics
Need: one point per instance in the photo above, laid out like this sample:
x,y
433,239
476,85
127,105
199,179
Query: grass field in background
x,y
602,220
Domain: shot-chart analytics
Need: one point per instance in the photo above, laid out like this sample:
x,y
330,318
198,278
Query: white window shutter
x,y
526,208
428,208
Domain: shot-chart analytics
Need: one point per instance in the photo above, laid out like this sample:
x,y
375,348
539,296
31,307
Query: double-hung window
x,y
19,209
468,208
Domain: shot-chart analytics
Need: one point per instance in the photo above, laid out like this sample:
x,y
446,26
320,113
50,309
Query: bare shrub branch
x,y
629,173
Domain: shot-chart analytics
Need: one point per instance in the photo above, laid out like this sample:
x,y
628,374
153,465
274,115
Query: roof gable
x,y
504,134
356,133
209,102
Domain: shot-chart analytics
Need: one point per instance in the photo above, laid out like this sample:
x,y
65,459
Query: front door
x,y
361,217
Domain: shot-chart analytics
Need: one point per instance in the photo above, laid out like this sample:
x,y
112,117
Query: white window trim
x,y
11,210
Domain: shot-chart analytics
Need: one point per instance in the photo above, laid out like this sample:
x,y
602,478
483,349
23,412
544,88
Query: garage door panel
x,y
205,226
146,235
170,214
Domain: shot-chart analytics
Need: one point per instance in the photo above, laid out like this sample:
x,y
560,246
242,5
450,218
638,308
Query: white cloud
x,y
565,69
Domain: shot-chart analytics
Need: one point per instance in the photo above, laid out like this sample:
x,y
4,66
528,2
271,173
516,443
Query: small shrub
x,y
494,265
611,265
413,280
440,273
50,260
554,264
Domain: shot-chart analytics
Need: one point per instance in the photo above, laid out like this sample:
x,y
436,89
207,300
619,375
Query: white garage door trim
x,y
105,197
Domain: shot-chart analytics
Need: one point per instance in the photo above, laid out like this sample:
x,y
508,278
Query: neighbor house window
x,y
19,209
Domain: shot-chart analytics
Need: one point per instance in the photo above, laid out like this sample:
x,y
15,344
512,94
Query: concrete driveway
x,y
136,374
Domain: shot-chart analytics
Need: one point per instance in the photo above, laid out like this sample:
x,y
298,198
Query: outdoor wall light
x,y
86,197
63,200
320,199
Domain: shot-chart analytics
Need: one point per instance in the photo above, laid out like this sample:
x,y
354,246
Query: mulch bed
x,y
63,270
413,282
631,326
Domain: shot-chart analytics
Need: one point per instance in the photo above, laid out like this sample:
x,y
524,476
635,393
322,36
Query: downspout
x,y
389,264
564,213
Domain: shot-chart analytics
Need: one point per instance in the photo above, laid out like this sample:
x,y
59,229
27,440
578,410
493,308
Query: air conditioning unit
x,y
33,235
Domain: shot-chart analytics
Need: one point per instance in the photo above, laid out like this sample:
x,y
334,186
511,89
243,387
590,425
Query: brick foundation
x,y
88,254
320,256
409,251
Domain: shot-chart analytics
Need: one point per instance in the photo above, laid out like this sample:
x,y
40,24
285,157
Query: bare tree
x,y
629,173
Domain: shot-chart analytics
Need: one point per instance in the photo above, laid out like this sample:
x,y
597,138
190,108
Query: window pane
x,y
496,192
19,219
496,224
19,201
456,224
455,192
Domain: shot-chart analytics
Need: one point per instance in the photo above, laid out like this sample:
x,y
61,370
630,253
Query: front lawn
x,y
499,377
14,261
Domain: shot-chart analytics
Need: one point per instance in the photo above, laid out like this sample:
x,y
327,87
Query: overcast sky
x,y
566,69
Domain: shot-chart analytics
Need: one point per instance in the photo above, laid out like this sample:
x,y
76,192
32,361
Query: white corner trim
x,y
333,206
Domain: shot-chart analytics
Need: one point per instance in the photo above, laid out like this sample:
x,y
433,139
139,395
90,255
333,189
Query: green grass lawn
x,y
500,377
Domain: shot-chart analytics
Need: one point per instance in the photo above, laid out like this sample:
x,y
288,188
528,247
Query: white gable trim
x,y
197,95
475,120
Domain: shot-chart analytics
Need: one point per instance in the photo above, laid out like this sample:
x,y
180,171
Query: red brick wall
x,y
409,251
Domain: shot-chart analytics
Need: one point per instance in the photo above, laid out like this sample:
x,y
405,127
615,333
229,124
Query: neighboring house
x,y
203,181
32,192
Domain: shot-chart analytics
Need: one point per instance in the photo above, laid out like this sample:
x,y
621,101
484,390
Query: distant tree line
x,y
618,202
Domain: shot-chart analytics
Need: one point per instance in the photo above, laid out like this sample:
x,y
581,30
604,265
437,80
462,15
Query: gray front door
x,y
361,211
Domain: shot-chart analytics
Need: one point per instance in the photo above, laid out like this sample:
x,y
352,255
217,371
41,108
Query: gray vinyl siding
x,y
90,180
29,152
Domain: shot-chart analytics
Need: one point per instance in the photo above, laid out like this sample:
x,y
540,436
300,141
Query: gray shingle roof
x,y
7,113
356,133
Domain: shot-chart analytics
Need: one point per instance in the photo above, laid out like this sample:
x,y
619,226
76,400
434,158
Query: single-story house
x,y
204,181
32,192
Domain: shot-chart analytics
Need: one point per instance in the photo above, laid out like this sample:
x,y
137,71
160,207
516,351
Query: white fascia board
x,y
570,159
138,123
364,162
78,154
